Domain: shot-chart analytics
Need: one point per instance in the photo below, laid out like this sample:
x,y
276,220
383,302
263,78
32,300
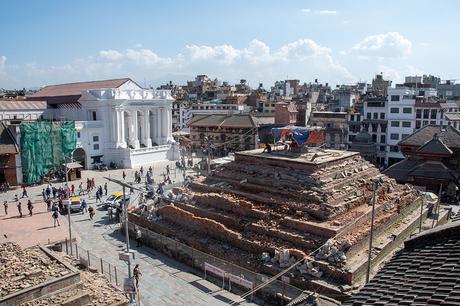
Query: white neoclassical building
x,y
135,125
122,123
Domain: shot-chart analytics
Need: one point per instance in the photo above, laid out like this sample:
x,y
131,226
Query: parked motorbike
x,y
100,167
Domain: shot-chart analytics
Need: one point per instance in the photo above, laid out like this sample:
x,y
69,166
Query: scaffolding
x,y
44,146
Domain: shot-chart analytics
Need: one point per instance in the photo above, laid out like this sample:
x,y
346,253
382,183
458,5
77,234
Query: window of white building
x,y
406,124
394,136
407,110
394,110
394,123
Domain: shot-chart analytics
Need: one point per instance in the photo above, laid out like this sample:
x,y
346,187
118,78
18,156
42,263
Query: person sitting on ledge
x,y
267,149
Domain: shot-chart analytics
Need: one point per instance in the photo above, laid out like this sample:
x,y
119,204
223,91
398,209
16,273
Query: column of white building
x,y
155,128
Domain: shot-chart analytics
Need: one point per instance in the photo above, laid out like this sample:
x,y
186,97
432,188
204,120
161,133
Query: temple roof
x,y
435,146
447,134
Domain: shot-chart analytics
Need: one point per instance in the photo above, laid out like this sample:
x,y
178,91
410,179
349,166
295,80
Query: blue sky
x,y
48,42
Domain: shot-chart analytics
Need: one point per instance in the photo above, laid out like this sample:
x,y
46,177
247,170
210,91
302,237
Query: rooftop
x,y
447,134
425,272
224,121
72,89
14,105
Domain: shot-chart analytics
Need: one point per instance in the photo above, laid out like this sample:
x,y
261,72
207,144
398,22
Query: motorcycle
x,y
100,167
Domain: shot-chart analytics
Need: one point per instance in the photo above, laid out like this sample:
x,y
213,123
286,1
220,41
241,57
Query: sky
x,y
52,42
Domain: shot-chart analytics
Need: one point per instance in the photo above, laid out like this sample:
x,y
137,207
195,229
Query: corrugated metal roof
x,y
72,89
11,105
233,121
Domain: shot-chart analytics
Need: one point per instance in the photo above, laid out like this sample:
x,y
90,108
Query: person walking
x,y
55,216
142,170
16,198
20,209
24,192
44,195
91,212
5,206
48,204
167,170
80,188
124,174
98,196
105,188
138,237
137,275
110,212
72,190
83,207
30,207
48,192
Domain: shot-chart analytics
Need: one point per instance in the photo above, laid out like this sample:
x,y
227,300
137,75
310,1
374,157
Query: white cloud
x,y
257,62
397,75
2,66
327,12
110,54
146,57
391,44
308,11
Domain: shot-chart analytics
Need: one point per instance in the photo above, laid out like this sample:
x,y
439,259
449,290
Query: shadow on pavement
x,y
45,227
200,286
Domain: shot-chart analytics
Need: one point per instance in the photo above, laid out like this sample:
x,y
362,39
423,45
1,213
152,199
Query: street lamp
x,y
68,203
125,209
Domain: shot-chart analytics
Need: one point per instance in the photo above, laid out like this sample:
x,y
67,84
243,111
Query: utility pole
x,y
371,236
125,209
68,204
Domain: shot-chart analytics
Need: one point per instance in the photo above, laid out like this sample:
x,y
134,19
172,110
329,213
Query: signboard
x,y
240,281
124,256
129,284
214,270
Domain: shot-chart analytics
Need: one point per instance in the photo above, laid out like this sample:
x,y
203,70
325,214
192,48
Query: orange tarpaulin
x,y
316,137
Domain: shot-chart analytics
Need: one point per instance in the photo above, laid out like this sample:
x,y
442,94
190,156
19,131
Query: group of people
x,y
139,174
51,190
30,207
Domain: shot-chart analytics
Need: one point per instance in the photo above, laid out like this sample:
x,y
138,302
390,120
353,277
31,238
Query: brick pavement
x,y
164,280
30,230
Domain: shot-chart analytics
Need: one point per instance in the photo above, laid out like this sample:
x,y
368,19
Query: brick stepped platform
x,y
265,211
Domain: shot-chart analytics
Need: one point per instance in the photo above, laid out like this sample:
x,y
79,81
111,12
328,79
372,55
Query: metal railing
x,y
197,259
92,261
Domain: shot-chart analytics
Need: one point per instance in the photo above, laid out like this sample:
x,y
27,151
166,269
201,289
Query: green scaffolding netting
x,y
45,146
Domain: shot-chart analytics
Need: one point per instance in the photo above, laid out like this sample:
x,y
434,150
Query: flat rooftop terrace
x,y
313,157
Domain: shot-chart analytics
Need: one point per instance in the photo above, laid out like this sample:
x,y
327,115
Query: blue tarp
x,y
300,134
